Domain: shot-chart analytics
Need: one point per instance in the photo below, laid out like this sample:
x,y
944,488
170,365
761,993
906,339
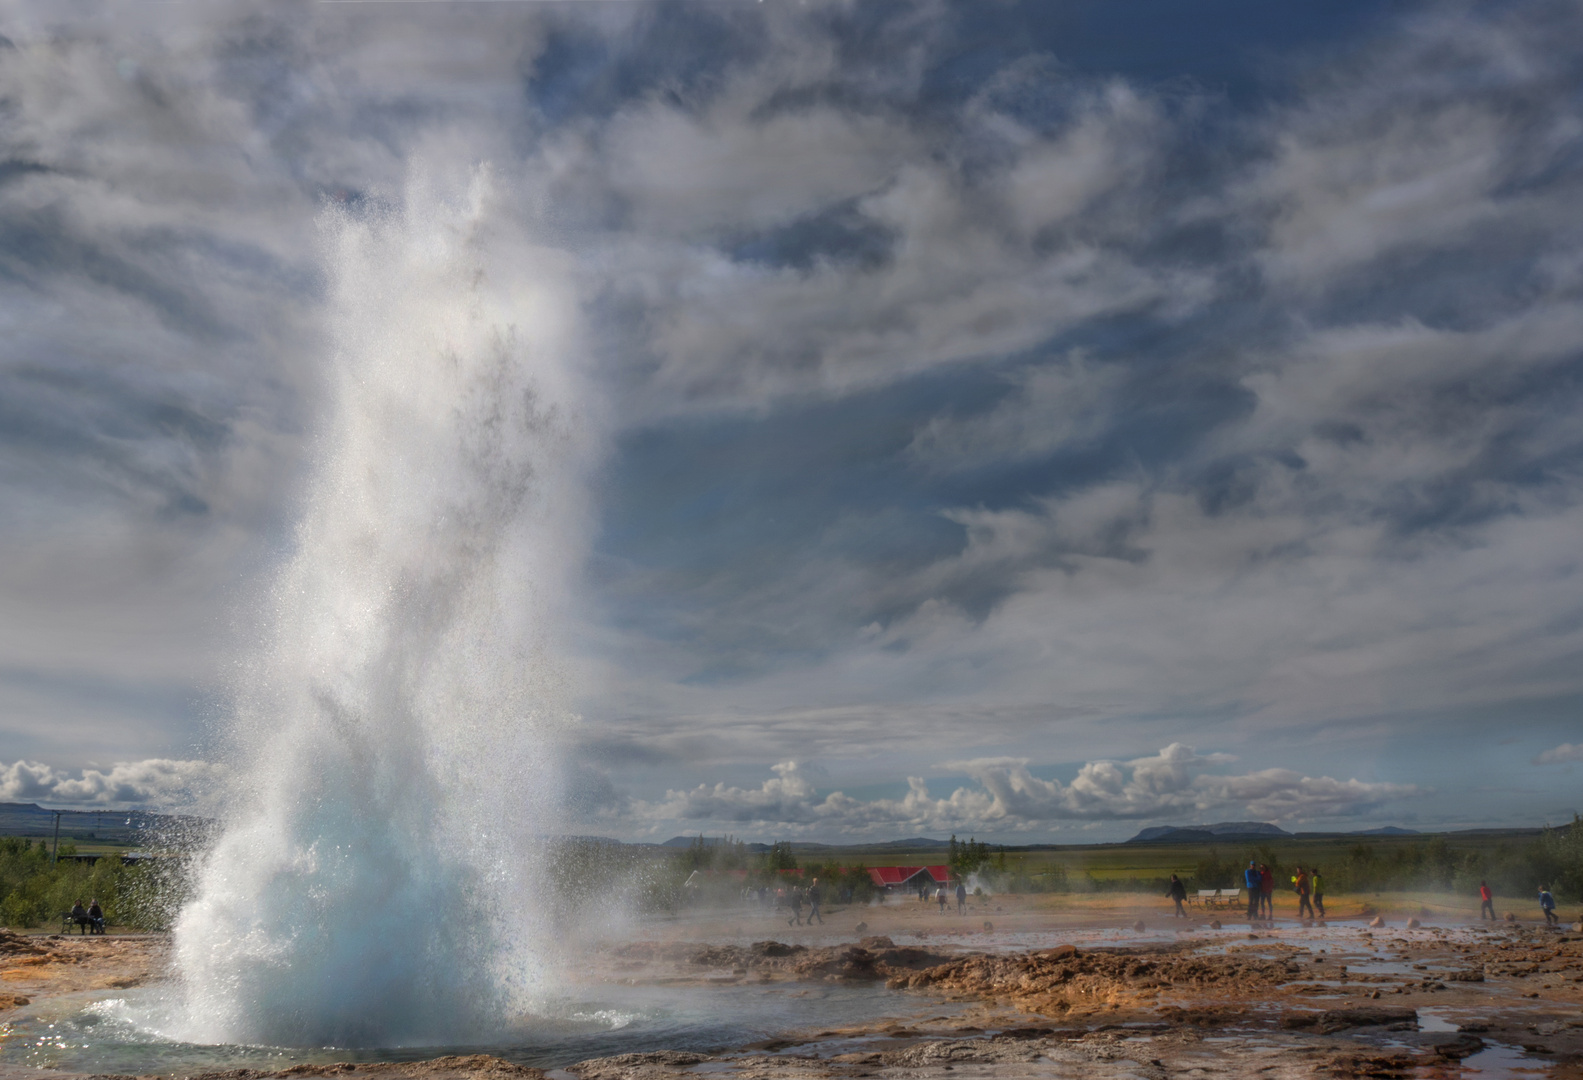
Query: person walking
x,y
1267,891
1486,901
794,901
961,898
1177,892
1250,878
1318,885
940,896
1300,882
1547,904
815,894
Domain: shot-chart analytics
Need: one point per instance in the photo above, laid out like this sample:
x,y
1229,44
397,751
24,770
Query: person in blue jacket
x,y
1547,904
1251,880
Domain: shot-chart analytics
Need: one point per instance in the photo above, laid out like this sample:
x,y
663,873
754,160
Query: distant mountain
x,y
1385,830
1198,834
129,827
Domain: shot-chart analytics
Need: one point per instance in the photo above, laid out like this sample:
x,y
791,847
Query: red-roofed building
x,y
908,878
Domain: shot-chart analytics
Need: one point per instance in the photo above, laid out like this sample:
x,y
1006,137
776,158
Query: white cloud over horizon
x,y
1009,798
156,783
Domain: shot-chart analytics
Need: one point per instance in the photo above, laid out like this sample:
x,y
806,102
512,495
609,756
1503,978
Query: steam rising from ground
x,y
394,739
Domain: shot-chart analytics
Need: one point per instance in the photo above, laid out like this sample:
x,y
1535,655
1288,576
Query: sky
x,y
1028,420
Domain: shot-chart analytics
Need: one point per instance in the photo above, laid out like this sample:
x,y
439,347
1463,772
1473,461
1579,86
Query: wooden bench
x,y
1212,899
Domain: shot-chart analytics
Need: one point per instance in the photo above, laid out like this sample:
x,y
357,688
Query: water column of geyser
x,y
372,882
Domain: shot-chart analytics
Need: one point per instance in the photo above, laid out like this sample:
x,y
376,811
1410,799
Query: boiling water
x,y
393,745
129,1032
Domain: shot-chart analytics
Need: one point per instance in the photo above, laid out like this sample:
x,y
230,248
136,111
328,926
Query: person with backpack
x,y
1318,885
1547,904
1300,882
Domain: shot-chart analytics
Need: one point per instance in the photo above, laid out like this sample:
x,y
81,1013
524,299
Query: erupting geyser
x,y
372,884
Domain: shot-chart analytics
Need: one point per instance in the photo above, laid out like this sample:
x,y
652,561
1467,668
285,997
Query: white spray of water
x,y
373,882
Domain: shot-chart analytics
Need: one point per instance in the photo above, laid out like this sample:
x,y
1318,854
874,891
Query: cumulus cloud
x,y
1558,755
154,782
1174,781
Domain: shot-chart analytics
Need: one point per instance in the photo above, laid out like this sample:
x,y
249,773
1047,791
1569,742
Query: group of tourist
x,y
1259,881
88,920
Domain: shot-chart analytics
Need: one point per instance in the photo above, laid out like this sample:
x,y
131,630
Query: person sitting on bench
x,y
96,916
79,915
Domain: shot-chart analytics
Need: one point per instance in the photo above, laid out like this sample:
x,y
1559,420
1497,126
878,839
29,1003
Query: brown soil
x,y
33,966
1342,1001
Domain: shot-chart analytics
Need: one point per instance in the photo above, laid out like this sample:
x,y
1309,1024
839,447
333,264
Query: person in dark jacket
x,y
1250,878
1178,893
79,915
815,895
95,916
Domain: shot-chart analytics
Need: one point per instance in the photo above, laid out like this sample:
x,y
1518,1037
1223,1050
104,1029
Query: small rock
x,y
988,926
1138,926
861,928
1214,924
1061,952
1377,922
1413,923
1511,916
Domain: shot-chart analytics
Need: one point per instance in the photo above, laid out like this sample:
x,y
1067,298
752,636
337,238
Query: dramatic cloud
x,y
153,783
975,393
1010,797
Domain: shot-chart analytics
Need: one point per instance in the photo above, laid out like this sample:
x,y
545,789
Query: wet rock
x,y
1331,1020
1060,952
1377,922
1458,1048
636,1066
776,948
1138,926
454,1067
861,929
1413,923
1386,1066
1511,916
1214,924
988,926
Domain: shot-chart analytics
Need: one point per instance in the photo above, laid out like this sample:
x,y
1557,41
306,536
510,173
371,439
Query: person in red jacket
x,y
1486,902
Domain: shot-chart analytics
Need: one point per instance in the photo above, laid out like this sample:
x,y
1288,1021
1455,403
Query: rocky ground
x,y
1341,1000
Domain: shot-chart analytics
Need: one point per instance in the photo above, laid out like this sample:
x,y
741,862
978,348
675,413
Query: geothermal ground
x,y
1017,989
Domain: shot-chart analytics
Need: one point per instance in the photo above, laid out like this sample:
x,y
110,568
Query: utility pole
x,y
55,858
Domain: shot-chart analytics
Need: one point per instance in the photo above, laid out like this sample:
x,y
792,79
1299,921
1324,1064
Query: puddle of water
x,y
1498,1060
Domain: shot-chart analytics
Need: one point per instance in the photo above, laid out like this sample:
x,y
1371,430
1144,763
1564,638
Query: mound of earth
x,y
1056,980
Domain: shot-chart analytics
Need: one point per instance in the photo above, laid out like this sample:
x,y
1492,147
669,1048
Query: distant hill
x,y
808,848
1386,830
115,826
1198,834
